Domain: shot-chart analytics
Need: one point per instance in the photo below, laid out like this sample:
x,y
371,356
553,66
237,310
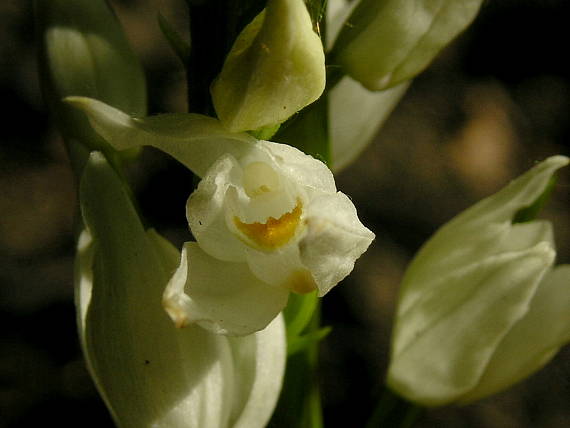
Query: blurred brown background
x,y
494,102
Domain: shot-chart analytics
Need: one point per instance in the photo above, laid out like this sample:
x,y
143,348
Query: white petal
x,y
442,347
300,167
520,193
262,189
223,297
356,115
206,212
282,268
258,379
534,340
146,370
334,239
194,140
429,270
481,231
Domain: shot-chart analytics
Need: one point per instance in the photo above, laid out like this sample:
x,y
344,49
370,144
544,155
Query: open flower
x,y
150,373
480,306
267,218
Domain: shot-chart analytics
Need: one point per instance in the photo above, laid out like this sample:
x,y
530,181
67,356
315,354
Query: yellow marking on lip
x,y
301,282
275,232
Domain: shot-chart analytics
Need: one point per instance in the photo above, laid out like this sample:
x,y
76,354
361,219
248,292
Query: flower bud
x,y
275,68
386,42
150,373
480,306
83,51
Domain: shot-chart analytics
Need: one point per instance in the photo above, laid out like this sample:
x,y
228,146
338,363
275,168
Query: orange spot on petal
x,y
301,282
275,232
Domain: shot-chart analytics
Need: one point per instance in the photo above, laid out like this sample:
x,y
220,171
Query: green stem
x,y
393,411
299,405
334,75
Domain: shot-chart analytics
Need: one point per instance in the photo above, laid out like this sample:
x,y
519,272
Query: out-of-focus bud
x,y
386,42
275,68
355,116
355,113
150,373
83,51
481,307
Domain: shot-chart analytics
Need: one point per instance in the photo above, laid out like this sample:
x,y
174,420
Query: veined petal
x,y
423,281
546,326
480,231
441,349
258,380
194,140
333,240
223,297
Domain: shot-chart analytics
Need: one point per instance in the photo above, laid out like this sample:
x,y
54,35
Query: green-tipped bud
x,y
481,307
275,68
83,51
385,42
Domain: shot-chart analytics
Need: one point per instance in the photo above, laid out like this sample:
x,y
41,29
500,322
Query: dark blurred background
x,y
493,103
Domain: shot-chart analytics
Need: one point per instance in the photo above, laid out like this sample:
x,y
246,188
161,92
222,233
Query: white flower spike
x,y
267,218
480,306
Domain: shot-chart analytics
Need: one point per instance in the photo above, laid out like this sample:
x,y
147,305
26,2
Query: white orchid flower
x,y
151,374
267,218
480,306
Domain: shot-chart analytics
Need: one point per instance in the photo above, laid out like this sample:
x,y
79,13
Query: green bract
x,y
83,51
150,373
386,42
480,306
275,68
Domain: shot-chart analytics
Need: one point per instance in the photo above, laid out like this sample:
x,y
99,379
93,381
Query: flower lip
x,y
275,232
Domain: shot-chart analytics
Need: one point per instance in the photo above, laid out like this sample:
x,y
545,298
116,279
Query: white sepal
x,y
473,296
150,373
